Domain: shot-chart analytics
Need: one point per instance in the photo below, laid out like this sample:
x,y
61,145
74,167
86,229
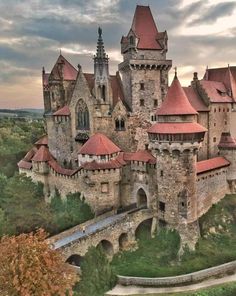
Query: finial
x,y
99,32
175,72
60,51
228,66
79,66
207,68
43,70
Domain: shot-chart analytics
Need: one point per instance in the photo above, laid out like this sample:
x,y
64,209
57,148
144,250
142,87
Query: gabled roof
x,y
42,141
216,91
99,144
195,100
230,83
64,111
176,128
142,155
218,74
29,155
211,164
69,72
42,155
145,28
23,164
227,141
176,101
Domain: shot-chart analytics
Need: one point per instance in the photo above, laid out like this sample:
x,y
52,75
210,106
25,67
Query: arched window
x,y
83,116
131,40
120,124
103,94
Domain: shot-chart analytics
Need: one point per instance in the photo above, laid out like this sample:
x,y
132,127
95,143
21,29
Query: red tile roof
x,y
195,100
142,155
23,164
58,169
227,141
93,165
42,141
218,74
211,164
29,155
145,28
42,155
176,101
64,111
230,83
176,128
99,144
216,91
69,72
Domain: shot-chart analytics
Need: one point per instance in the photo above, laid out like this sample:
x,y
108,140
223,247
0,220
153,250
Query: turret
x,y
175,140
145,68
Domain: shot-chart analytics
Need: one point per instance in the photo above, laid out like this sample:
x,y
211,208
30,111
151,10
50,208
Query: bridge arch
x,y
75,260
123,241
144,228
141,197
107,247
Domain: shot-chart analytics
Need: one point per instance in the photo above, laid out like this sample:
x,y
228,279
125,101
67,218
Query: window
x,y
155,103
120,124
225,122
142,86
131,40
161,173
214,124
141,102
182,204
214,109
105,187
214,139
103,93
162,206
83,116
103,157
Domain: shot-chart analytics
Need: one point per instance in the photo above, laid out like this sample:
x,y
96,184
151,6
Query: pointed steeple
x,y
176,101
101,70
100,54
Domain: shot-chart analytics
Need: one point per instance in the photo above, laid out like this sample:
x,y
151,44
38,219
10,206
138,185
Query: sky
x,y
32,33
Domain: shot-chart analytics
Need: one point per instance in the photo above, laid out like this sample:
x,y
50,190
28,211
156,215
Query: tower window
x,y
141,102
155,103
83,116
142,86
161,173
120,124
214,139
162,206
103,93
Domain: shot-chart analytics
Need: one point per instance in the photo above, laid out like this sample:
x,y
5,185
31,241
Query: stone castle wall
x,y
211,188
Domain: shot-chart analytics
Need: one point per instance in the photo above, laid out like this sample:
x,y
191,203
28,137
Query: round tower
x,y
175,140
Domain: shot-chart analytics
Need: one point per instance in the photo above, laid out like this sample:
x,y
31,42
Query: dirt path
x,y
136,290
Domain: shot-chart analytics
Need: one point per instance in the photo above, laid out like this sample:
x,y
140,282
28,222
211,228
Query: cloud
x,y
215,12
33,31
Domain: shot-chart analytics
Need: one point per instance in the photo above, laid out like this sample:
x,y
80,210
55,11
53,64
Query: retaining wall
x,y
217,271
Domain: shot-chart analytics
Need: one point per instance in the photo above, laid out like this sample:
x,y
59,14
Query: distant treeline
x,y
21,112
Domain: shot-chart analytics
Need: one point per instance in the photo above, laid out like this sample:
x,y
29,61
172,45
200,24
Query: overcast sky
x,y
33,31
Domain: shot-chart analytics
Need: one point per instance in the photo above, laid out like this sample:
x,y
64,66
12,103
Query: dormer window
x,y
131,40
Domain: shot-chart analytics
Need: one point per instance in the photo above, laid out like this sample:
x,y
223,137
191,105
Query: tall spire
x,y
101,54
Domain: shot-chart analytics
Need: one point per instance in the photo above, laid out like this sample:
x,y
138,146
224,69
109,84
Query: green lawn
x,y
158,256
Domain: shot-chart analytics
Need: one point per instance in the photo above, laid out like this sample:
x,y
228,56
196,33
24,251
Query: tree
x,y
24,206
97,275
30,267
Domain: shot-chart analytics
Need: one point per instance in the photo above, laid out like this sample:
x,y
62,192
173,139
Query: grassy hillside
x,y
158,256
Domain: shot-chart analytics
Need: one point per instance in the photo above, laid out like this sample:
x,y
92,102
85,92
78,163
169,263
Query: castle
x,y
129,140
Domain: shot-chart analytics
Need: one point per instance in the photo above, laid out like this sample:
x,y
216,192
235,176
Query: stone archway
x,y
107,247
141,198
144,229
123,241
75,260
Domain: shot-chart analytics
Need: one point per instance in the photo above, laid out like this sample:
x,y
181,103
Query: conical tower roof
x,y
176,101
99,144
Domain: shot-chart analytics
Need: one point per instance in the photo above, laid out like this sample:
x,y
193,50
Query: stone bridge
x,y
113,233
